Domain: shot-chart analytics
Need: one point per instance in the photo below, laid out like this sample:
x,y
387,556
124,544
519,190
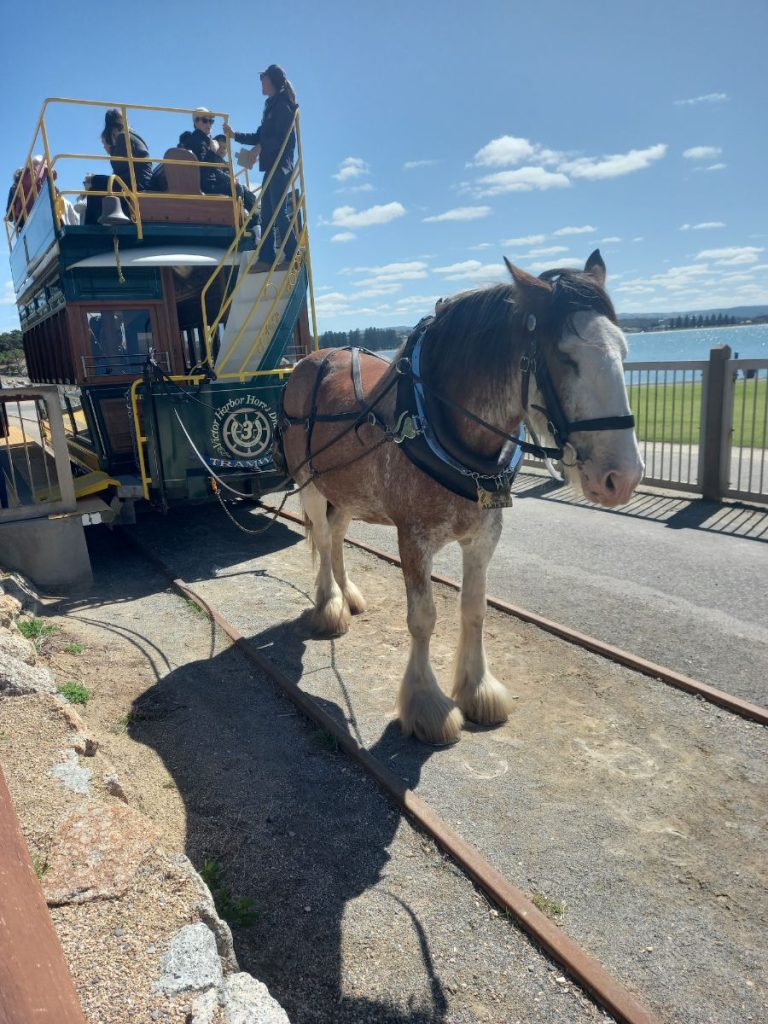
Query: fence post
x,y
714,457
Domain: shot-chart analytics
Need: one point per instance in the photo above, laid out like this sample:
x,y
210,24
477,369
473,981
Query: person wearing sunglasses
x,y
214,180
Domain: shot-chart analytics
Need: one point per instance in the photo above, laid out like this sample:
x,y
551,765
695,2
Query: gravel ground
x,y
358,916
638,807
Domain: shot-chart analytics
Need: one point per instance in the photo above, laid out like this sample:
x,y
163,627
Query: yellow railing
x,y
298,229
24,196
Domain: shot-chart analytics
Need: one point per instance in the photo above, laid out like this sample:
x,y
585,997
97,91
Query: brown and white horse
x,y
476,363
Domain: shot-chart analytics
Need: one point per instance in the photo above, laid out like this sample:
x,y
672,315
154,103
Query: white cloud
x,y
365,187
480,245
472,270
714,167
352,167
504,151
598,168
639,238
524,179
525,240
460,213
702,152
378,289
610,239
710,97
731,256
587,229
549,250
349,217
344,236
569,261
411,165
705,225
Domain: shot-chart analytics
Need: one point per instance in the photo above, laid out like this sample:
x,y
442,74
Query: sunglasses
x,y
206,120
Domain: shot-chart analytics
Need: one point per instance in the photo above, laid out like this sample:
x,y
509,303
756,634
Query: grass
x,y
36,630
40,864
122,724
550,907
672,412
325,741
239,912
74,648
194,606
76,693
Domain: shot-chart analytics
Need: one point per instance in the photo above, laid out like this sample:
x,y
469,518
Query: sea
x,y
749,341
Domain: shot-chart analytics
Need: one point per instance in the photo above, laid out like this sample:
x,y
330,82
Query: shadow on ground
x,y
298,830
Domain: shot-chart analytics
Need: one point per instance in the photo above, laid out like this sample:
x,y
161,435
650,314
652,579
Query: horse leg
x,y
481,697
422,706
339,522
331,614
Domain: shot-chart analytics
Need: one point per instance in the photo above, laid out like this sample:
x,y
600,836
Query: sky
x,y
439,137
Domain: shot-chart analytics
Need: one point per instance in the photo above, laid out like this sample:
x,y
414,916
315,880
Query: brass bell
x,y
112,214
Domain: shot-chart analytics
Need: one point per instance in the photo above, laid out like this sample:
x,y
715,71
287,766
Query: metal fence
x,y
702,426
35,473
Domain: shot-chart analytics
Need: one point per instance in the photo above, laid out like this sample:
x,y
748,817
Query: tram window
x,y
120,340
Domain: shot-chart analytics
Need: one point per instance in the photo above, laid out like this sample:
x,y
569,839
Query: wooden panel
x,y
115,414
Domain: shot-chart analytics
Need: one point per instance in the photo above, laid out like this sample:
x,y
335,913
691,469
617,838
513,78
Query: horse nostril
x,y
610,482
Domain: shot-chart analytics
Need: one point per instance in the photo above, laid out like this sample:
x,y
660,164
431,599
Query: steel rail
x,y
584,969
35,983
743,708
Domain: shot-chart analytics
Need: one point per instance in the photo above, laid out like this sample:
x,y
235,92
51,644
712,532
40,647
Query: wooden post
x,y
714,455
35,983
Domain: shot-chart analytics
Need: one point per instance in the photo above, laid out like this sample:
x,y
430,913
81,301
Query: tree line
x,y
699,320
12,352
373,338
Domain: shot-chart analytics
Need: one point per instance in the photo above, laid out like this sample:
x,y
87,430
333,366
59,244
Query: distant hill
x,y
740,312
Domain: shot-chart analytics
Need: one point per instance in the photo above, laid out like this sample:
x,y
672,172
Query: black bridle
x,y
559,426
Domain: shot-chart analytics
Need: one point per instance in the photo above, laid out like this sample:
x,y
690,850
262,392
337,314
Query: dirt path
x,y
356,916
639,808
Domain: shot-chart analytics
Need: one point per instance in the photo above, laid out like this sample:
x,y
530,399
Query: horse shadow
x,y
293,827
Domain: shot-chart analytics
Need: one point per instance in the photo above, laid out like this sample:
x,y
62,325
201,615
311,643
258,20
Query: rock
x,y
206,908
247,1001
17,646
18,678
96,853
192,962
10,609
85,742
113,787
71,774
204,1007
22,590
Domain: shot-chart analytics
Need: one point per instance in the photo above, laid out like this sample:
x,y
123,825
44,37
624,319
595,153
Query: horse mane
x,y
482,332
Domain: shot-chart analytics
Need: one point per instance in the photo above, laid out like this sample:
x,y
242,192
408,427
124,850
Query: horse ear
x,y
596,268
525,282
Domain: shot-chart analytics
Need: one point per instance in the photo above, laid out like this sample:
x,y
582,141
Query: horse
x,y
429,441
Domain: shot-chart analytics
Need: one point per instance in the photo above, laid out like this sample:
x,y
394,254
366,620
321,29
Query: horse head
x,y
576,392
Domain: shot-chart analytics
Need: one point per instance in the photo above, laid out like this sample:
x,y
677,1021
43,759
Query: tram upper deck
x,y
168,271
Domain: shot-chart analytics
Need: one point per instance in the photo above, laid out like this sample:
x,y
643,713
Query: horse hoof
x,y
354,599
489,703
331,619
435,720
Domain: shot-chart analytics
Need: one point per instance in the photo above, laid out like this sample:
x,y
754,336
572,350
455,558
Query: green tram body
x,y
138,424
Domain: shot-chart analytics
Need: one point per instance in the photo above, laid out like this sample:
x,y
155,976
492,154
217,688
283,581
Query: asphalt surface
x,y
679,581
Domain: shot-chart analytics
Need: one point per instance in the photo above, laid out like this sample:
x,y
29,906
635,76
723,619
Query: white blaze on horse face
x,y
609,463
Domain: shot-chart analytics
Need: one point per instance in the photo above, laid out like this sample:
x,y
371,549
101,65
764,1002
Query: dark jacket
x,y
122,168
214,180
275,125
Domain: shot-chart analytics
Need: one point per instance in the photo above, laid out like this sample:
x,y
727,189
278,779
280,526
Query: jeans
x,y
274,196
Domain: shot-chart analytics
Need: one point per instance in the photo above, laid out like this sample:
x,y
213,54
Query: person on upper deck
x,y
214,180
275,129
116,145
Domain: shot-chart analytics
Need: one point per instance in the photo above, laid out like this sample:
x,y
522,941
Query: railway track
x,y
583,968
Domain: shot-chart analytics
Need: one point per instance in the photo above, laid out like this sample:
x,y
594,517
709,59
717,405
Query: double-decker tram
x,y
142,294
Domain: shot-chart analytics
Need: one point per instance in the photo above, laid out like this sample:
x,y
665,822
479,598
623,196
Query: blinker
x,y
530,322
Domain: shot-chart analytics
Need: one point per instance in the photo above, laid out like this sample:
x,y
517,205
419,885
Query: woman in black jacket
x,y
113,138
276,126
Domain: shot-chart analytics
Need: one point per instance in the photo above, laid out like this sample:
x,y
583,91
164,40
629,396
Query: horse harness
x,y
426,439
